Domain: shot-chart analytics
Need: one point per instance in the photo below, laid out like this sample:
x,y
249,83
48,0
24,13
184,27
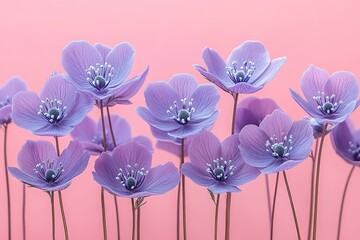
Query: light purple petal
x,y
215,64
11,87
230,149
212,78
277,124
199,176
302,135
244,174
244,87
5,113
270,72
85,131
144,141
244,117
280,165
305,105
205,99
164,125
183,84
222,187
121,128
132,153
341,135
103,50
30,180
312,81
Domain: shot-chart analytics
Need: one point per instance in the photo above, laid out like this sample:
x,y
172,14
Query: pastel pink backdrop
x,y
170,36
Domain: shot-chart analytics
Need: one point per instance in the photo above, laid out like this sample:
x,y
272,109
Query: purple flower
x,y
247,70
345,139
277,144
7,91
127,172
318,128
217,166
101,71
90,134
55,113
253,110
329,99
180,107
40,167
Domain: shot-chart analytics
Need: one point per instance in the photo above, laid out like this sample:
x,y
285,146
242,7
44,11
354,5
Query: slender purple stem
x,y
103,211
7,180
273,207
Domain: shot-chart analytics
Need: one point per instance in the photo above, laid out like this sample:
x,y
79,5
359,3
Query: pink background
x,y
170,36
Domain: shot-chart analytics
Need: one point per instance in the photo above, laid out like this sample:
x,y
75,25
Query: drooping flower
x,y
329,99
41,167
345,139
247,69
90,134
180,107
102,71
217,166
7,91
253,110
127,172
277,144
55,112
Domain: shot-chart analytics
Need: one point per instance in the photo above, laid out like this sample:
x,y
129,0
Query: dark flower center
x,y
327,104
241,73
220,169
355,150
52,110
183,113
132,177
47,172
279,148
100,76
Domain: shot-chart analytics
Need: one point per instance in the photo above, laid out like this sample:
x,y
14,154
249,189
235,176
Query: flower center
x,y
100,76
183,113
279,148
241,73
132,177
327,104
47,172
220,169
52,110
355,150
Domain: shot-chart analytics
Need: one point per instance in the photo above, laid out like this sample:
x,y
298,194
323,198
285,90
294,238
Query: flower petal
x,y
5,113
302,135
269,72
222,187
244,87
103,50
183,84
277,124
30,180
85,131
164,125
310,109
198,176
212,78
244,117
280,165
341,135
205,99
215,64
11,87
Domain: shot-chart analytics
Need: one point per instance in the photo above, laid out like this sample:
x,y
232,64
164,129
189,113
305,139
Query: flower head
x,y
40,167
180,107
55,112
127,172
253,110
277,144
217,166
7,91
329,99
102,71
90,134
247,69
345,139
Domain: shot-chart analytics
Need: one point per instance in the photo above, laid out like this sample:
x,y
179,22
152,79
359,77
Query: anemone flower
x,y
127,172
247,69
180,107
253,110
90,135
41,167
102,71
277,144
217,166
7,91
55,112
329,99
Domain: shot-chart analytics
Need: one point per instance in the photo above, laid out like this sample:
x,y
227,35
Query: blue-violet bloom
x,y
329,99
127,172
7,91
180,107
217,166
102,71
55,112
247,69
41,167
90,135
278,144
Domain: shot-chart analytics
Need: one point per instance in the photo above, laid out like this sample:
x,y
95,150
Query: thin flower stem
x,y
273,207
60,197
292,206
138,223
228,195
133,219
343,202
115,198
52,214
7,180
317,181
183,188
268,196
103,212
24,212
178,210
313,165
216,216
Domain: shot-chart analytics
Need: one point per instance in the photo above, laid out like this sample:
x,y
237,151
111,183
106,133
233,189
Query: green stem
x,y
273,207
7,180
216,216
24,212
52,214
292,206
313,164
133,219
317,181
343,201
